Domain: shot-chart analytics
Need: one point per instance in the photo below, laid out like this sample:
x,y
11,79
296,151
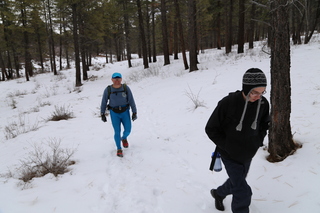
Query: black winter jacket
x,y
240,146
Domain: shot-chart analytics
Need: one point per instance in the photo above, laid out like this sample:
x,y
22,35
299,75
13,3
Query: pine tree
x,y
281,143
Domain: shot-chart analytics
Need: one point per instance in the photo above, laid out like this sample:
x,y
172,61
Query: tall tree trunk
x,y
281,143
48,34
314,22
154,51
192,35
218,28
143,37
181,36
27,55
106,47
7,33
148,32
66,44
83,49
117,45
3,68
241,27
76,43
37,32
40,51
54,68
164,32
15,61
8,54
60,42
195,32
127,31
229,16
252,28
175,40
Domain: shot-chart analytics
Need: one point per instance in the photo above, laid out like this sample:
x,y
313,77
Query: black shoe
x,y
218,200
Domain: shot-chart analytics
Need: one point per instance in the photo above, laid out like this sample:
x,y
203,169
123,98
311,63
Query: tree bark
x,y
127,31
192,35
76,43
8,45
54,67
229,16
281,143
165,32
3,68
83,50
148,32
66,46
27,55
252,27
181,36
218,31
154,51
175,40
60,43
314,22
241,27
143,37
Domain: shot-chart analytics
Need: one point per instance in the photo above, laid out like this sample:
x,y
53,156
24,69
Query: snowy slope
x,y
165,169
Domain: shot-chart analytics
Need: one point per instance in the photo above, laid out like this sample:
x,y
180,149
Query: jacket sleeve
x,y
104,101
214,127
131,101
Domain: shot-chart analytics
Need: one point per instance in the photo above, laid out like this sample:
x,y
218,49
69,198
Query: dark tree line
x,y
35,31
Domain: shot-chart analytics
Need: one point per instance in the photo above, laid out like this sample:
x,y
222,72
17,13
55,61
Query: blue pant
x,y
117,119
236,185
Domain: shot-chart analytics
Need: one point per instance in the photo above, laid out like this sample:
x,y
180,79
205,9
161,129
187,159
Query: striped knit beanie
x,y
253,78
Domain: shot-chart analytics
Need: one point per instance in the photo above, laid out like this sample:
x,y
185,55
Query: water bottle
x,y
217,164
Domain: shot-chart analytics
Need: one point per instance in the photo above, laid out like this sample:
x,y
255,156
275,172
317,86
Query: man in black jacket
x,y
238,126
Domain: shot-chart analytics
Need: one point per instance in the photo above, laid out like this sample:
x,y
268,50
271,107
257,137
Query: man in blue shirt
x,y
120,100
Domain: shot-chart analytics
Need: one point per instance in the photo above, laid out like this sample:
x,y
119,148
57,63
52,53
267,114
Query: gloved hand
x,y
134,116
103,117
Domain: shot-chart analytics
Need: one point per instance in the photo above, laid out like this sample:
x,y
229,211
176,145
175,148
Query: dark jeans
x,y
236,185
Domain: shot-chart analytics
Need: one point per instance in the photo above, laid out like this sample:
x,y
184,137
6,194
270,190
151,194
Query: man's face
x,y
116,81
256,93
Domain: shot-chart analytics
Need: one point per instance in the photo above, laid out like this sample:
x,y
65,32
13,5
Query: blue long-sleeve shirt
x,y
118,97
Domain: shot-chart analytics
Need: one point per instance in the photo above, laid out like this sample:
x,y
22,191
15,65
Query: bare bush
x,y
15,128
17,93
12,102
36,87
47,93
98,66
93,78
195,99
61,113
43,103
41,161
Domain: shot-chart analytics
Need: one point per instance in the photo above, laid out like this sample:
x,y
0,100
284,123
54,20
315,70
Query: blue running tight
x,y
117,119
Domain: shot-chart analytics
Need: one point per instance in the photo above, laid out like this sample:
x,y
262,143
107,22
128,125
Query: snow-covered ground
x,y
165,169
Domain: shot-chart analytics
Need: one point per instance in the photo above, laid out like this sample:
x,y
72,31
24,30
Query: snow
x,y
165,168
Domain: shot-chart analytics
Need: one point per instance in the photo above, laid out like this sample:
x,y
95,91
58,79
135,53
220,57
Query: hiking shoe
x,y
125,143
119,153
218,200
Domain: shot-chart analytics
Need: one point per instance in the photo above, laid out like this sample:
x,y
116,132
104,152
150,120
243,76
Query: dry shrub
x,y
40,161
61,113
